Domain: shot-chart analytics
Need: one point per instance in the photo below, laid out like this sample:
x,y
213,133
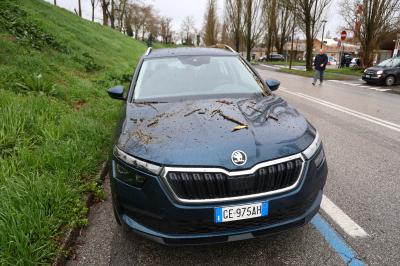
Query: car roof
x,y
171,52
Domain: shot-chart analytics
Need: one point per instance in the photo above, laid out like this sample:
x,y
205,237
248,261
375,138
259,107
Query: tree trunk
x,y
112,15
79,8
104,7
55,2
238,22
309,41
248,24
93,11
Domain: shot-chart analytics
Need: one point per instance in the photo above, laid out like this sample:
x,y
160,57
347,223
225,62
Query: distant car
x,y
387,72
355,62
262,58
345,60
331,61
276,57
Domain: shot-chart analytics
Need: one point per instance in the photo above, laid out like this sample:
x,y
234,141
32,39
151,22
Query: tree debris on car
x,y
224,102
153,123
192,112
239,127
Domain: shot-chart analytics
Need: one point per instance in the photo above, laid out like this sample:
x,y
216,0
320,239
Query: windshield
x,y
393,62
193,76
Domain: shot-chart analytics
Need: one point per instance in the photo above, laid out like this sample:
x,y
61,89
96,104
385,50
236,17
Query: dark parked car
x,y
206,153
345,60
387,72
276,57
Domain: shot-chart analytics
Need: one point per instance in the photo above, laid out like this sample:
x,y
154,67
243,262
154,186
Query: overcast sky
x,y
179,9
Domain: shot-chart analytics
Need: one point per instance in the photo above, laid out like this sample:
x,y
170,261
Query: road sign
x,y
343,35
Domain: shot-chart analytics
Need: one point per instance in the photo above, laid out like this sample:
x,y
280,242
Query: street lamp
x,y
323,31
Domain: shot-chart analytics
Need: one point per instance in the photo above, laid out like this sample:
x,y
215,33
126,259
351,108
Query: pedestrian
x,y
320,62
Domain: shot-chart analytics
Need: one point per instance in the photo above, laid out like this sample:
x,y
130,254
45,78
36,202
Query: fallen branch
x,y
192,112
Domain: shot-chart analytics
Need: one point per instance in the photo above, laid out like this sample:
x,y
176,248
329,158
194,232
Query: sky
x,y
179,9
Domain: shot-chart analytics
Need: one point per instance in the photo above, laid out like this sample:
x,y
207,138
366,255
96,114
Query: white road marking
x,y
341,219
361,86
346,110
270,66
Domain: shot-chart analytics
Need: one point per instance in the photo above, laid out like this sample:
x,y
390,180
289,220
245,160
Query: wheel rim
x,y
389,81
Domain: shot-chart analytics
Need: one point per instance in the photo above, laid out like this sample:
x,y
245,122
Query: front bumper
x,y
373,78
152,211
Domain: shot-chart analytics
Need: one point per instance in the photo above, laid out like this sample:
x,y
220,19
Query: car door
x,y
398,73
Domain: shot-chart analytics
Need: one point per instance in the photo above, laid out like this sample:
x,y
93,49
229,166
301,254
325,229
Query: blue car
x,y
206,153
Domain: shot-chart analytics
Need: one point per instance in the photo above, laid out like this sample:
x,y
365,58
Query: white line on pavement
x,y
342,219
346,110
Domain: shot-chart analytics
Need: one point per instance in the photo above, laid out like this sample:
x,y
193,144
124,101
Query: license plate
x,y
240,212
367,76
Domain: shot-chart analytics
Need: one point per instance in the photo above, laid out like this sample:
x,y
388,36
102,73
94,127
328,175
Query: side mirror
x,y
273,84
116,92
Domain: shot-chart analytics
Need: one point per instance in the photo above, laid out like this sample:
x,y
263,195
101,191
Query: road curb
x,y
72,234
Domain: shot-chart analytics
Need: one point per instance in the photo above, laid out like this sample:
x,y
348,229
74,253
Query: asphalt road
x,y
360,127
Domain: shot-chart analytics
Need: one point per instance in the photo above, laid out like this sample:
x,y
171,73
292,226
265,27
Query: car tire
x,y
389,81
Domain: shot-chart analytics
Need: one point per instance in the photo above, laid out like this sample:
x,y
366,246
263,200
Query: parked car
x,y
331,61
387,72
355,62
262,58
276,57
205,152
345,60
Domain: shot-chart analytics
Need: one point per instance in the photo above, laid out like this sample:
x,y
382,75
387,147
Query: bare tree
x,y
104,7
79,8
93,4
309,14
211,23
253,25
282,30
372,21
187,30
166,29
270,8
234,20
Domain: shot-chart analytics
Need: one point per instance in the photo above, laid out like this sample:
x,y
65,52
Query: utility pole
x,y
323,32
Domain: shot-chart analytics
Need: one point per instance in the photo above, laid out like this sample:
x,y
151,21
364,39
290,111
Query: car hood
x,y
201,132
377,68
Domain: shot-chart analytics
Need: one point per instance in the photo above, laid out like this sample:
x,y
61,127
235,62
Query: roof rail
x,y
229,48
149,50
223,46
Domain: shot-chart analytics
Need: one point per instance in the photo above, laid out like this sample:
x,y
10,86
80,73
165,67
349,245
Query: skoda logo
x,y
238,157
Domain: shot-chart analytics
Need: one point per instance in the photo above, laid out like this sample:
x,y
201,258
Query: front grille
x,y
214,185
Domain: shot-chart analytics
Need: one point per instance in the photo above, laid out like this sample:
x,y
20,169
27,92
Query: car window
x,y
390,62
194,75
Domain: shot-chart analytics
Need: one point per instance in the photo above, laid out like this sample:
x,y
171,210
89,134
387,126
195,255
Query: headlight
x,y
379,72
319,158
127,175
365,70
312,149
136,163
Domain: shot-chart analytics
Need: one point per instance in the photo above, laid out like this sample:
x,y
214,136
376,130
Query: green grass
x,y
346,71
327,75
284,63
56,121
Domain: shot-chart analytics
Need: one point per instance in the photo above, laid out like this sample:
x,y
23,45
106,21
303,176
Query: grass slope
x,y
56,121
